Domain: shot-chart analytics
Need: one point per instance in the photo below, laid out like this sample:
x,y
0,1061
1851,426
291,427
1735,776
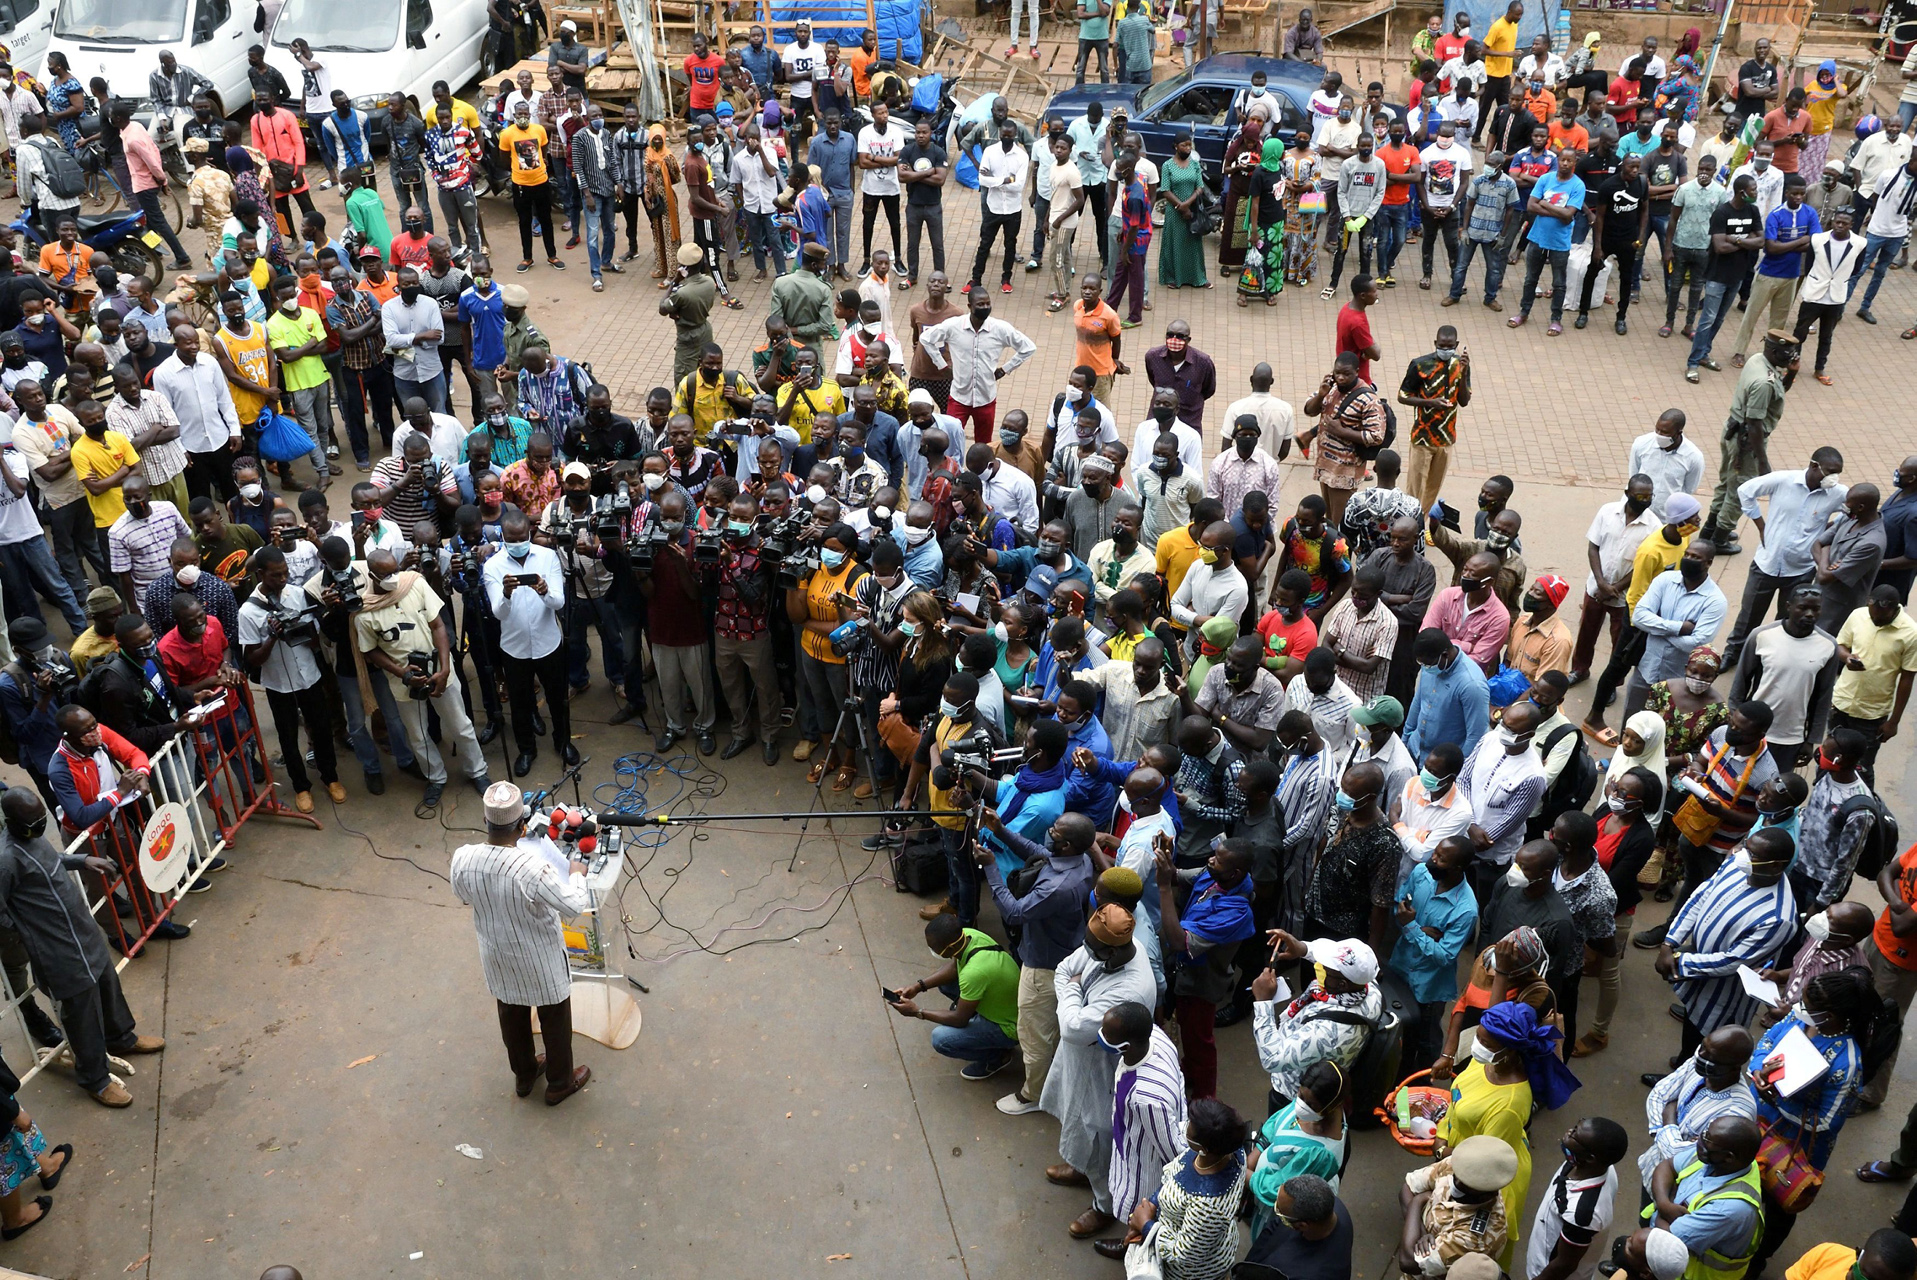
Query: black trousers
x,y
629,206
530,202
1624,656
994,224
211,473
308,705
550,673
1626,254
97,1022
872,205
555,1027
1101,209
1869,728
1825,316
1565,990
1444,227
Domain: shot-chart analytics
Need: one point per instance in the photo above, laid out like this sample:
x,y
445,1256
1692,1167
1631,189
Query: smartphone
x,y
1448,517
891,996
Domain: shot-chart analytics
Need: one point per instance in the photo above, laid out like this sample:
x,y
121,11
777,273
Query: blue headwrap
x,y
1517,1025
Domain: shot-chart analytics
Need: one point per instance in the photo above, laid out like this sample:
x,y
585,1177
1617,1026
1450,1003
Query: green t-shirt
x,y
1093,28
364,210
990,979
285,332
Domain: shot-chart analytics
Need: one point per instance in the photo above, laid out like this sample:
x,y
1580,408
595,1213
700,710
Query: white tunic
x,y
1078,1090
518,900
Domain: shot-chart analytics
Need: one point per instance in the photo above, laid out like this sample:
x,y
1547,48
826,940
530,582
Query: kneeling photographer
x,y
279,635
399,630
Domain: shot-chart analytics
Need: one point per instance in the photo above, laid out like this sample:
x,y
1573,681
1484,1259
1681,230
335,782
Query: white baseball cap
x,y
1351,958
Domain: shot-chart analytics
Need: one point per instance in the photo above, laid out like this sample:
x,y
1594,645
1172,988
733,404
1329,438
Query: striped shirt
x,y
1824,1105
1727,922
1724,766
518,901
1148,1123
143,547
1698,1106
161,461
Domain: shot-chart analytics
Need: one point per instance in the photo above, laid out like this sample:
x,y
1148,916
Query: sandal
x,y
733,304
1271,299
815,773
48,1181
1824,378
1055,305
1208,284
847,775
1330,292
1243,301
1600,733
1880,1171
1910,333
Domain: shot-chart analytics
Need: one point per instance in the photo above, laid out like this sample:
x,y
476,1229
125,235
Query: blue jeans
x,y
1392,220
1660,230
981,1040
1710,316
1884,250
432,391
602,233
29,565
963,873
356,731
765,236
1906,112
841,243
1493,268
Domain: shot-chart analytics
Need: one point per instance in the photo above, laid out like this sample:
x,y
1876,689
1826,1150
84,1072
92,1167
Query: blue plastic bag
x,y
1508,685
282,438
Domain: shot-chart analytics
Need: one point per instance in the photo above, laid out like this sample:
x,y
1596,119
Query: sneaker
x,y
1031,264
202,885
332,451
1013,1104
1005,286
1650,939
986,1070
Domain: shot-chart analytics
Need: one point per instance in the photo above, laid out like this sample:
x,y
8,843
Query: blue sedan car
x,y
1207,101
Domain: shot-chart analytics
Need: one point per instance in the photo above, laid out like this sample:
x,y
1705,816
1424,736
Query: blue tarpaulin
x,y
897,20
1540,19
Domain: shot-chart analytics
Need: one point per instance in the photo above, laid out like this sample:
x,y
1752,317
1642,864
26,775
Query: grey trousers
x,y
97,1022
1758,590
678,668
452,719
461,207
1892,983
737,660
932,218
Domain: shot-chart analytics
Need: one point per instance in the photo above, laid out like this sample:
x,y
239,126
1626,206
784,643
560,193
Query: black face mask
x,y
410,295
1245,444
1163,414
1692,572
1634,508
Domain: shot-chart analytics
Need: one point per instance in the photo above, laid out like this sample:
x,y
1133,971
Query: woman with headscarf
x,y
1263,275
1511,969
1514,1061
1301,172
244,164
1181,255
1677,95
1688,42
1306,1135
1641,745
1821,97
1214,637
1691,709
661,205
1241,158
1626,835
1581,70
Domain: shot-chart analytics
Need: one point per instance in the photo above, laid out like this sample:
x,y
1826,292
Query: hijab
x,y
1649,726
1274,156
1516,1023
1688,42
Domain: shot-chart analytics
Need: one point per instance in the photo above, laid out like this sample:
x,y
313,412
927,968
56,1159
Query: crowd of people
x,y
1206,757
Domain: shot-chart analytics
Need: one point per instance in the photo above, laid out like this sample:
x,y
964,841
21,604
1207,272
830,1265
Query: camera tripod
x,y
851,705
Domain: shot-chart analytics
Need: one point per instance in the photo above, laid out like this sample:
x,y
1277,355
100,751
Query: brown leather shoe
x,y
1113,1248
337,792
303,801
579,1077
146,1044
1063,1175
114,1095
935,910
1090,1223
524,1086
1589,1043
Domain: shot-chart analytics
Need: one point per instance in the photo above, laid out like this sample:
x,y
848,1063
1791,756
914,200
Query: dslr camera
x,y
66,680
420,670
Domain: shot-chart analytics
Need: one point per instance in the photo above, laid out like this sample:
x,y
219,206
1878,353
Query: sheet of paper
x,y
966,601
1283,994
1756,986
1802,1063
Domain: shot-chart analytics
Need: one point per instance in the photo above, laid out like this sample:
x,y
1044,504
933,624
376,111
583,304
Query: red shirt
x,y
1299,637
1397,160
410,251
188,663
1780,125
702,76
1623,92
1354,335
1446,48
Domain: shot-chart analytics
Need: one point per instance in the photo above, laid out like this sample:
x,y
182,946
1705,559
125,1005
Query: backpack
x,y
64,176
918,865
1576,784
1375,1071
1369,452
1880,840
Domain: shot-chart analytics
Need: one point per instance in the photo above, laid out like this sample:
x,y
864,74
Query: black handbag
x,y
1204,213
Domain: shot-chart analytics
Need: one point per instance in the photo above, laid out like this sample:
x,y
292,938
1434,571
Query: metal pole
x,y
674,820
1710,62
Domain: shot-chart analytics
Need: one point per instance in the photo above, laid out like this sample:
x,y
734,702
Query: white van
x,y
371,48
25,28
121,40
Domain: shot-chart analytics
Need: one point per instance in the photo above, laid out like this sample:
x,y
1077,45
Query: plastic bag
x,y
282,438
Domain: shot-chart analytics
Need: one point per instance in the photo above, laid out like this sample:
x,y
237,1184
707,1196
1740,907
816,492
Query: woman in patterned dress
x,y
24,1155
1264,217
1301,171
1241,160
1196,1206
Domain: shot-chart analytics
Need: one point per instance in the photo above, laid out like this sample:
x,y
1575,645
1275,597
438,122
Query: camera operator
x,y
317,516
479,462
752,433
593,564
690,464
874,519
742,633
956,723
279,629
817,607
874,658
38,681
400,631
675,607
355,679
981,525
527,590
473,541
413,486
598,437
300,548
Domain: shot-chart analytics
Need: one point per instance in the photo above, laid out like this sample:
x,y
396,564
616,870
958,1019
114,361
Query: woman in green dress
x,y
1264,214
1181,255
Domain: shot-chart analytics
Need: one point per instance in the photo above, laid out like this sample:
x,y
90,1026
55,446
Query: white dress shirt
x,y
518,899
1678,470
447,442
1009,491
414,359
1879,156
1833,268
1063,422
1617,539
975,355
201,400
1001,176
528,622
1770,186
1191,450
1795,518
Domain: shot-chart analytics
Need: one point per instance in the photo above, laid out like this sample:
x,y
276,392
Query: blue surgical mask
x,y
1345,802
909,627
519,550
831,559
1430,781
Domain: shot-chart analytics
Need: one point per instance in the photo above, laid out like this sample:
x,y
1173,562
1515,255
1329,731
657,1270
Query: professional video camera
x,y
849,637
610,511
797,567
345,584
779,536
559,522
706,545
297,626
420,670
975,751
644,542
66,680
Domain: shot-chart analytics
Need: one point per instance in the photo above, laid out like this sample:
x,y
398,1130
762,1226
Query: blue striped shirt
x,y
1824,1105
1727,922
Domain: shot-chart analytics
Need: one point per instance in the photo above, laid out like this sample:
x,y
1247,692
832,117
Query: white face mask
x,y
1742,860
251,492
915,537
188,575
815,494
1304,1112
1697,688
653,482
1000,633
1516,878
1482,1052
1507,738
947,710
1818,926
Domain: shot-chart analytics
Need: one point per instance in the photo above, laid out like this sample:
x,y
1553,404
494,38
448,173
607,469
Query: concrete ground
x,y
331,1040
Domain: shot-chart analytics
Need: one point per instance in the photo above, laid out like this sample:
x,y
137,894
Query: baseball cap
x,y
370,251
1352,959
27,633
1041,581
578,469
1380,710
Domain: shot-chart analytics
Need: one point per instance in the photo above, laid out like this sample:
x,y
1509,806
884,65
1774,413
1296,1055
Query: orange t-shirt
x,y
1398,160
1575,136
68,268
1901,952
861,63
1095,332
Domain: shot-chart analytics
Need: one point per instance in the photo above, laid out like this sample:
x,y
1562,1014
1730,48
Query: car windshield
x,y
122,21
346,26
1161,91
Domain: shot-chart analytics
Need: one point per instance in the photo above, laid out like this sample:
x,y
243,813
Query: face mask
x,y
1697,686
815,494
908,627
188,575
1108,1046
915,536
1346,802
673,527
1761,163
251,492
1621,804
1742,860
373,514
415,225
1508,739
1047,548
1818,926
1001,633
1164,466
1208,555
491,503
1471,586
653,481
831,559
1497,541
596,124
1432,783
1483,1053
1010,439
1516,878
35,829
1802,1013
739,528
1164,415
519,550
482,283
948,710
410,296
1245,444
1304,1112
1692,572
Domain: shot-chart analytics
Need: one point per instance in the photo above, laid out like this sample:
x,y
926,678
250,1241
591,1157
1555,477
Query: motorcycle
x,y
120,234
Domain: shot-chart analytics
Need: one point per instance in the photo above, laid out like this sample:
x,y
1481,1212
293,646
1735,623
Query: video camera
x,y
420,670
610,511
779,536
560,522
706,545
66,680
975,751
345,584
296,626
643,544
